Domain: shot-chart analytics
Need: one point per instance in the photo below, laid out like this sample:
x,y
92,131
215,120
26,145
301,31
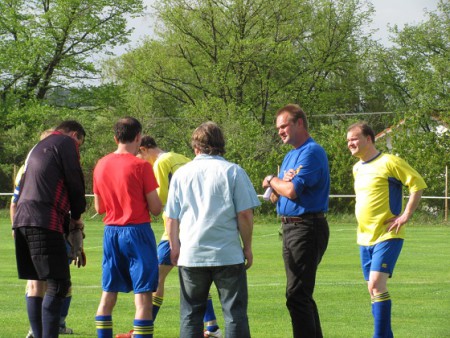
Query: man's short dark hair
x,y
295,112
209,139
126,129
148,142
71,125
366,130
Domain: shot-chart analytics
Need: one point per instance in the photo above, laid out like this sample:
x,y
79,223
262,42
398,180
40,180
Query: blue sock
x,y
104,326
34,309
157,303
65,311
381,309
143,328
51,311
212,328
209,313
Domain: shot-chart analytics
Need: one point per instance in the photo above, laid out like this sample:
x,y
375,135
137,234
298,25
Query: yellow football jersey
x,y
164,168
379,195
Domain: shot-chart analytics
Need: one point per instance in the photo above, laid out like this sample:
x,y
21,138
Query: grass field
x,y
420,288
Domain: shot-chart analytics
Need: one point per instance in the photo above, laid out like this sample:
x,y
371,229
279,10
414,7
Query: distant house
x,y
437,126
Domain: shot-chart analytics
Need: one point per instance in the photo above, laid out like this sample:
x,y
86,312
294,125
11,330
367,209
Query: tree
x,y
47,50
49,43
236,62
421,57
29,121
416,71
251,55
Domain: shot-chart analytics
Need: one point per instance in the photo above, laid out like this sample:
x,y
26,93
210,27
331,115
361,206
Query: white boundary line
x,y
281,284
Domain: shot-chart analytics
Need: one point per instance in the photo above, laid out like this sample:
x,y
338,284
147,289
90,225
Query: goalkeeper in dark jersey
x,y
52,186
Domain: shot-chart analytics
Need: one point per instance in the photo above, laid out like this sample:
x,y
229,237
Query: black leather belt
x,y
301,218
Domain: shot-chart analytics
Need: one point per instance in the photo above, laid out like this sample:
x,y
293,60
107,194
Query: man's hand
x,y
395,223
174,255
248,254
289,175
266,181
173,231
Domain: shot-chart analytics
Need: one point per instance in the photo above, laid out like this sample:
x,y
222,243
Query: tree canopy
x,y
417,69
235,62
249,56
46,44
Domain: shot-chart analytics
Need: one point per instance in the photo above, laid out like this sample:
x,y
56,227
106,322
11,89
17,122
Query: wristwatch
x,y
269,178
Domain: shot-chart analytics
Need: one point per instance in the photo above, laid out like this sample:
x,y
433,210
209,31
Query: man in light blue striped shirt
x,y
210,210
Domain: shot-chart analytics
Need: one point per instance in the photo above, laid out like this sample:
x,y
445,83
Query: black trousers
x,y
304,244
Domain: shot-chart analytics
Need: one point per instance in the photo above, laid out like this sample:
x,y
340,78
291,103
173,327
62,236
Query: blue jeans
x,y
231,283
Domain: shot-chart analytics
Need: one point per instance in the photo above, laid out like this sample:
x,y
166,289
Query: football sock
x,y
157,303
104,326
51,311
209,313
143,328
381,309
34,309
65,310
212,328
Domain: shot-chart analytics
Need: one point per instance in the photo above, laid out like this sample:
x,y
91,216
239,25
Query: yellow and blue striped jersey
x,y
378,187
164,168
15,196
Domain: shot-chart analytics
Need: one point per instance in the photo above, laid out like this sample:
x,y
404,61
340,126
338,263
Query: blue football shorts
x,y
129,259
164,253
380,257
68,249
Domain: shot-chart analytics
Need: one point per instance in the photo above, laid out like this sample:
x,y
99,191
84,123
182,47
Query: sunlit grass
x,y
420,288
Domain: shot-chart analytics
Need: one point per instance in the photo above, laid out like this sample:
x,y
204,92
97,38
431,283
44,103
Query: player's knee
x,y
376,288
58,288
370,291
35,288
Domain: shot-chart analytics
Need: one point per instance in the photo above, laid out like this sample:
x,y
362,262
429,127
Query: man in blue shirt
x,y
301,192
209,211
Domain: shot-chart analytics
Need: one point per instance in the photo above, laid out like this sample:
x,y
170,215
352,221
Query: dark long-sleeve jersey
x,y
52,185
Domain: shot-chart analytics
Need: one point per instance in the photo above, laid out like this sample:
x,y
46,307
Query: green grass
x,y
420,288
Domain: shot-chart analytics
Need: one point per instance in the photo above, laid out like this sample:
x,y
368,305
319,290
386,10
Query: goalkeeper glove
x,y
75,239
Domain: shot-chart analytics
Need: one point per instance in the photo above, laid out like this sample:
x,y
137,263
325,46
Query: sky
x,y
387,12
398,12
